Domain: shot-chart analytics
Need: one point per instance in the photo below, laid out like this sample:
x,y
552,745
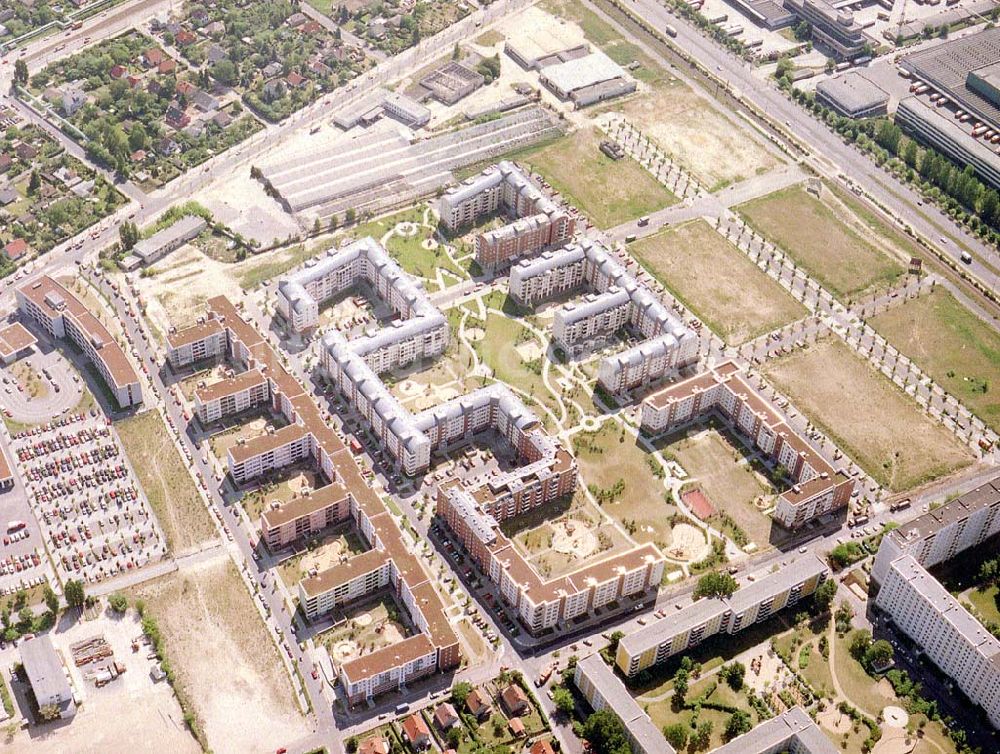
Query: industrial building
x,y
833,28
160,244
668,343
63,315
924,610
853,96
817,487
48,678
452,82
690,626
538,222
588,79
771,14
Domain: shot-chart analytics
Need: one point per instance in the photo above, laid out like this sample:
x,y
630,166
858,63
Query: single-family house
x,y
222,119
5,162
478,705
177,118
542,746
8,196
215,53
184,38
271,70
374,745
215,29
117,72
25,151
516,726
296,19
296,80
16,249
73,99
167,146
445,716
416,732
167,66
514,700
152,57
204,101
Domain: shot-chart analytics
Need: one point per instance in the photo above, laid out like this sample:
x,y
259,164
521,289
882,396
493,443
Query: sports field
x,y
823,236
956,348
871,420
608,191
717,282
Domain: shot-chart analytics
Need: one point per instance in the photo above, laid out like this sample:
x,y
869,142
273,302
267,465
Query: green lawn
x,y
987,603
609,191
831,245
956,348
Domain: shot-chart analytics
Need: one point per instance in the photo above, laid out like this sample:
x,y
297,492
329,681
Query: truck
x,y
670,30
13,526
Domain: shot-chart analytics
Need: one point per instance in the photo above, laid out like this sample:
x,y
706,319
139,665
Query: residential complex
x,y
62,315
390,563
538,221
792,731
924,610
667,343
817,487
698,621
602,689
206,340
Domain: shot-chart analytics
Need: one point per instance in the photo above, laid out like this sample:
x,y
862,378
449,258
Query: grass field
x,y
608,191
662,713
843,395
987,603
606,461
956,348
717,282
165,480
714,463
833,246
222,656
408,250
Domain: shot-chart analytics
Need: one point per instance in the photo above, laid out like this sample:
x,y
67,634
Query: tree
x,y
49,712
824,594
605,732
681,678
715,584
460,692
859,643
702,735
75,595
989,572
225,72
454,736
350,215
802,31
616,636
563,699
51,599
128,233
138,137
34,183
733,674
20,72
676,735
351,744
738,724
878,655
118,602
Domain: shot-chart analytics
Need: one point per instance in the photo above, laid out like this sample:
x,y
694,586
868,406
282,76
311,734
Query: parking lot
x,y
39,387
94,517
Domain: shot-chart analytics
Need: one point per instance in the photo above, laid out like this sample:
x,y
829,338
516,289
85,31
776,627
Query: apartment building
x,y
668,343
792,731
389,563
542,604
698,621
205,340
538,221
62,315
947,633
817,489
602,689
939,535
231,396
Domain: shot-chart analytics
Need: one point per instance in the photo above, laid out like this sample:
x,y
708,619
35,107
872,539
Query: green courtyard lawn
x,y
608,191
956,348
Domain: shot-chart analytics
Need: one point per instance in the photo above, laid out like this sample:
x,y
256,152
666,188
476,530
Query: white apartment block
x,y
948,634
939,535
205,340
668,343
592,323
370,675
231,396
252,458
345,582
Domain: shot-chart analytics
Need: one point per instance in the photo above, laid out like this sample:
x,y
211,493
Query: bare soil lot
x,y
833,245
715,149
223,658
165,480
714,279
878,426
956,348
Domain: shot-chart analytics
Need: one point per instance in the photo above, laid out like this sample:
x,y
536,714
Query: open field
x,y
165,480
223,658
717,282
956,348
626,477
810,229
608,191
716,150
727,480
840,394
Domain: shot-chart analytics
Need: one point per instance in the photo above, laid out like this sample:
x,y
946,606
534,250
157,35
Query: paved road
x,y
735,82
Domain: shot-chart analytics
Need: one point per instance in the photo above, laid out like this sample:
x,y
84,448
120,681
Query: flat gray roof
x,y
961,507
44,668
794,726
853,92
586,71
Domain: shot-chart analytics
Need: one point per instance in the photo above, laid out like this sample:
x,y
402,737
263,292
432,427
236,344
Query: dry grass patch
x,y
609,191
715,149
223,657
867,416
826,238
165,480
956,348
717,282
